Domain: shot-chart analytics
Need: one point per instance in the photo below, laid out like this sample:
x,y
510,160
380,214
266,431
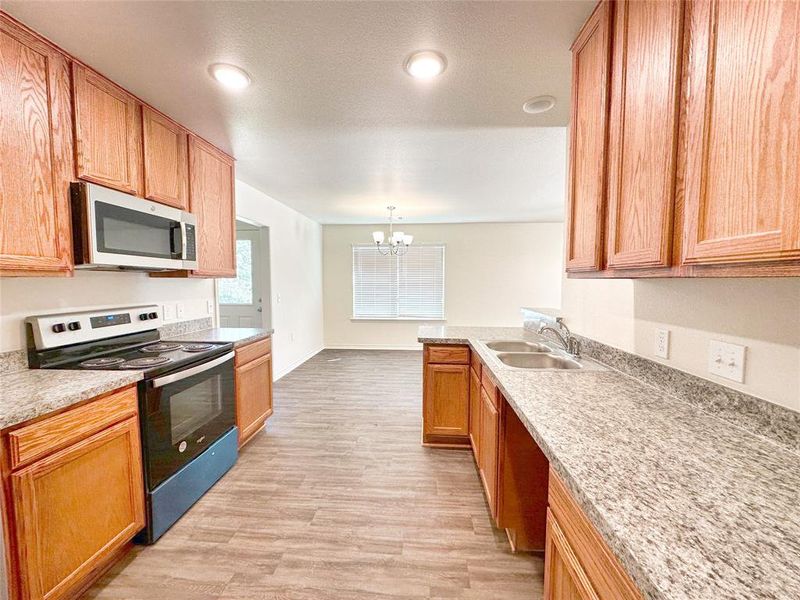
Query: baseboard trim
x,y
371,347
297,363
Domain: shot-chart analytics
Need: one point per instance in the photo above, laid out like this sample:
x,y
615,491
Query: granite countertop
x,y
239,336
31,393
693,506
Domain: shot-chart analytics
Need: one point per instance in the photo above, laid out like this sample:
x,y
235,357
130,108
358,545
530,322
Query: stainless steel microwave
x,y
112,231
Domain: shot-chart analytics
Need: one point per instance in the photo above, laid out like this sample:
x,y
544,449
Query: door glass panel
x,y
124,231
240,289
195,407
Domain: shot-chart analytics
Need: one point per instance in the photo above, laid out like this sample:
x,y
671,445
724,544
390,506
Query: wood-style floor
x,y
337,499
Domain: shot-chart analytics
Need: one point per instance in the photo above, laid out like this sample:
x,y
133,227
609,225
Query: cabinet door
x,y
35,154
75,508
474,412
108,132
742,175
564,578
166,159
643,136
588,138
488,454
253,396
211,200
446,400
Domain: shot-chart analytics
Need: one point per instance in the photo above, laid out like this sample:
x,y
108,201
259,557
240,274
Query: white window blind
x,y
410,286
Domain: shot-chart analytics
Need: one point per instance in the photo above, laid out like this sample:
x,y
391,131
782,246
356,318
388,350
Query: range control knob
x,y
143,317
74,326
152,315
59,328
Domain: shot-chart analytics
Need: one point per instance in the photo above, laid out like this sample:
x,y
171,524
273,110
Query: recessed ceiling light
x,y
425,64
539,104
230,76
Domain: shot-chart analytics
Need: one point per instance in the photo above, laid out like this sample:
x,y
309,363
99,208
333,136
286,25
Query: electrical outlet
x,y
726,360
209,307
661,348
277,298
291,336
179,310
168,312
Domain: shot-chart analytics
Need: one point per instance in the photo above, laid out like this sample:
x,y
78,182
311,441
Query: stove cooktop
x,y
147,358
144,352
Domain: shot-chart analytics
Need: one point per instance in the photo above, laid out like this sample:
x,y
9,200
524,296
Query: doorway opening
x,y
245,301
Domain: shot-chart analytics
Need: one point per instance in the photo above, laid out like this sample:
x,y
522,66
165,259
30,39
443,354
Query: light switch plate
x,y
726,360
179,309
209,307
168,312
661,348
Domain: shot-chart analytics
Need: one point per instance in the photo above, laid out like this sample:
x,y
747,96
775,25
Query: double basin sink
x,y
521,354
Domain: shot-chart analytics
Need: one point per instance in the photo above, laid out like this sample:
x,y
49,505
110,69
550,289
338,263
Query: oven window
x,y
124,231
195,407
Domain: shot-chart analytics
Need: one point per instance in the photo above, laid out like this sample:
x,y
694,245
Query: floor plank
x,y
337,499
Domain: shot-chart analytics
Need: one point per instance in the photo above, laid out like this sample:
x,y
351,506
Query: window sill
x,y
398,319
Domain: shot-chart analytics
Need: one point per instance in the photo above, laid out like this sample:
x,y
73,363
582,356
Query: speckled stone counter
x,y
692,505
32,393
239,336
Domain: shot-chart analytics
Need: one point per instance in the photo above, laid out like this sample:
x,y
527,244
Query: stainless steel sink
x,y
532,360
518,346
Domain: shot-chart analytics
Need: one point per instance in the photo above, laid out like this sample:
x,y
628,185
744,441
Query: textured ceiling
x,y
331,125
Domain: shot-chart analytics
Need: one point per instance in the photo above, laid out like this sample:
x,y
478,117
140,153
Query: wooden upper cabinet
x,y
211,192
166,159
742,172
588,138
108,132
35,154
643,132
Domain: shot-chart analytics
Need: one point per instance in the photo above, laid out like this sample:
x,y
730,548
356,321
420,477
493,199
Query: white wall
x,y
296,276
491,269
24,296
762,314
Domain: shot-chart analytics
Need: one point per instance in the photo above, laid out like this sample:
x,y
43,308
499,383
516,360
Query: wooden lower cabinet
x,y
487,457
72,512
474,411
578,563
253,388
445,401
564,578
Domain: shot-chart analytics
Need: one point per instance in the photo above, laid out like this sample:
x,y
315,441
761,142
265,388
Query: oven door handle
x,y
167,379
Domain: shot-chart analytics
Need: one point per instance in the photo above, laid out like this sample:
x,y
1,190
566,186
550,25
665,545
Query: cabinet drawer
x,y
475,361
457,355
489,385
43,437
253,351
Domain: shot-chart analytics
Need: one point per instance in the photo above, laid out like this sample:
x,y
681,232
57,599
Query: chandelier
x,y
398,242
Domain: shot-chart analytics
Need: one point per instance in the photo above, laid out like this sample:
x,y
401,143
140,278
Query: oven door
x,y
184,413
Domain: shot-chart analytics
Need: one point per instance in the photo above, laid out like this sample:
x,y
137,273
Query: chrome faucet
x,y
564,335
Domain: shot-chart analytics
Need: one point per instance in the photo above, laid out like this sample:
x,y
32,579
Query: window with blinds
x,y
410,286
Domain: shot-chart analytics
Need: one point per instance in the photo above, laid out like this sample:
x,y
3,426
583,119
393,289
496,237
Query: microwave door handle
x,y
167,379
183,240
